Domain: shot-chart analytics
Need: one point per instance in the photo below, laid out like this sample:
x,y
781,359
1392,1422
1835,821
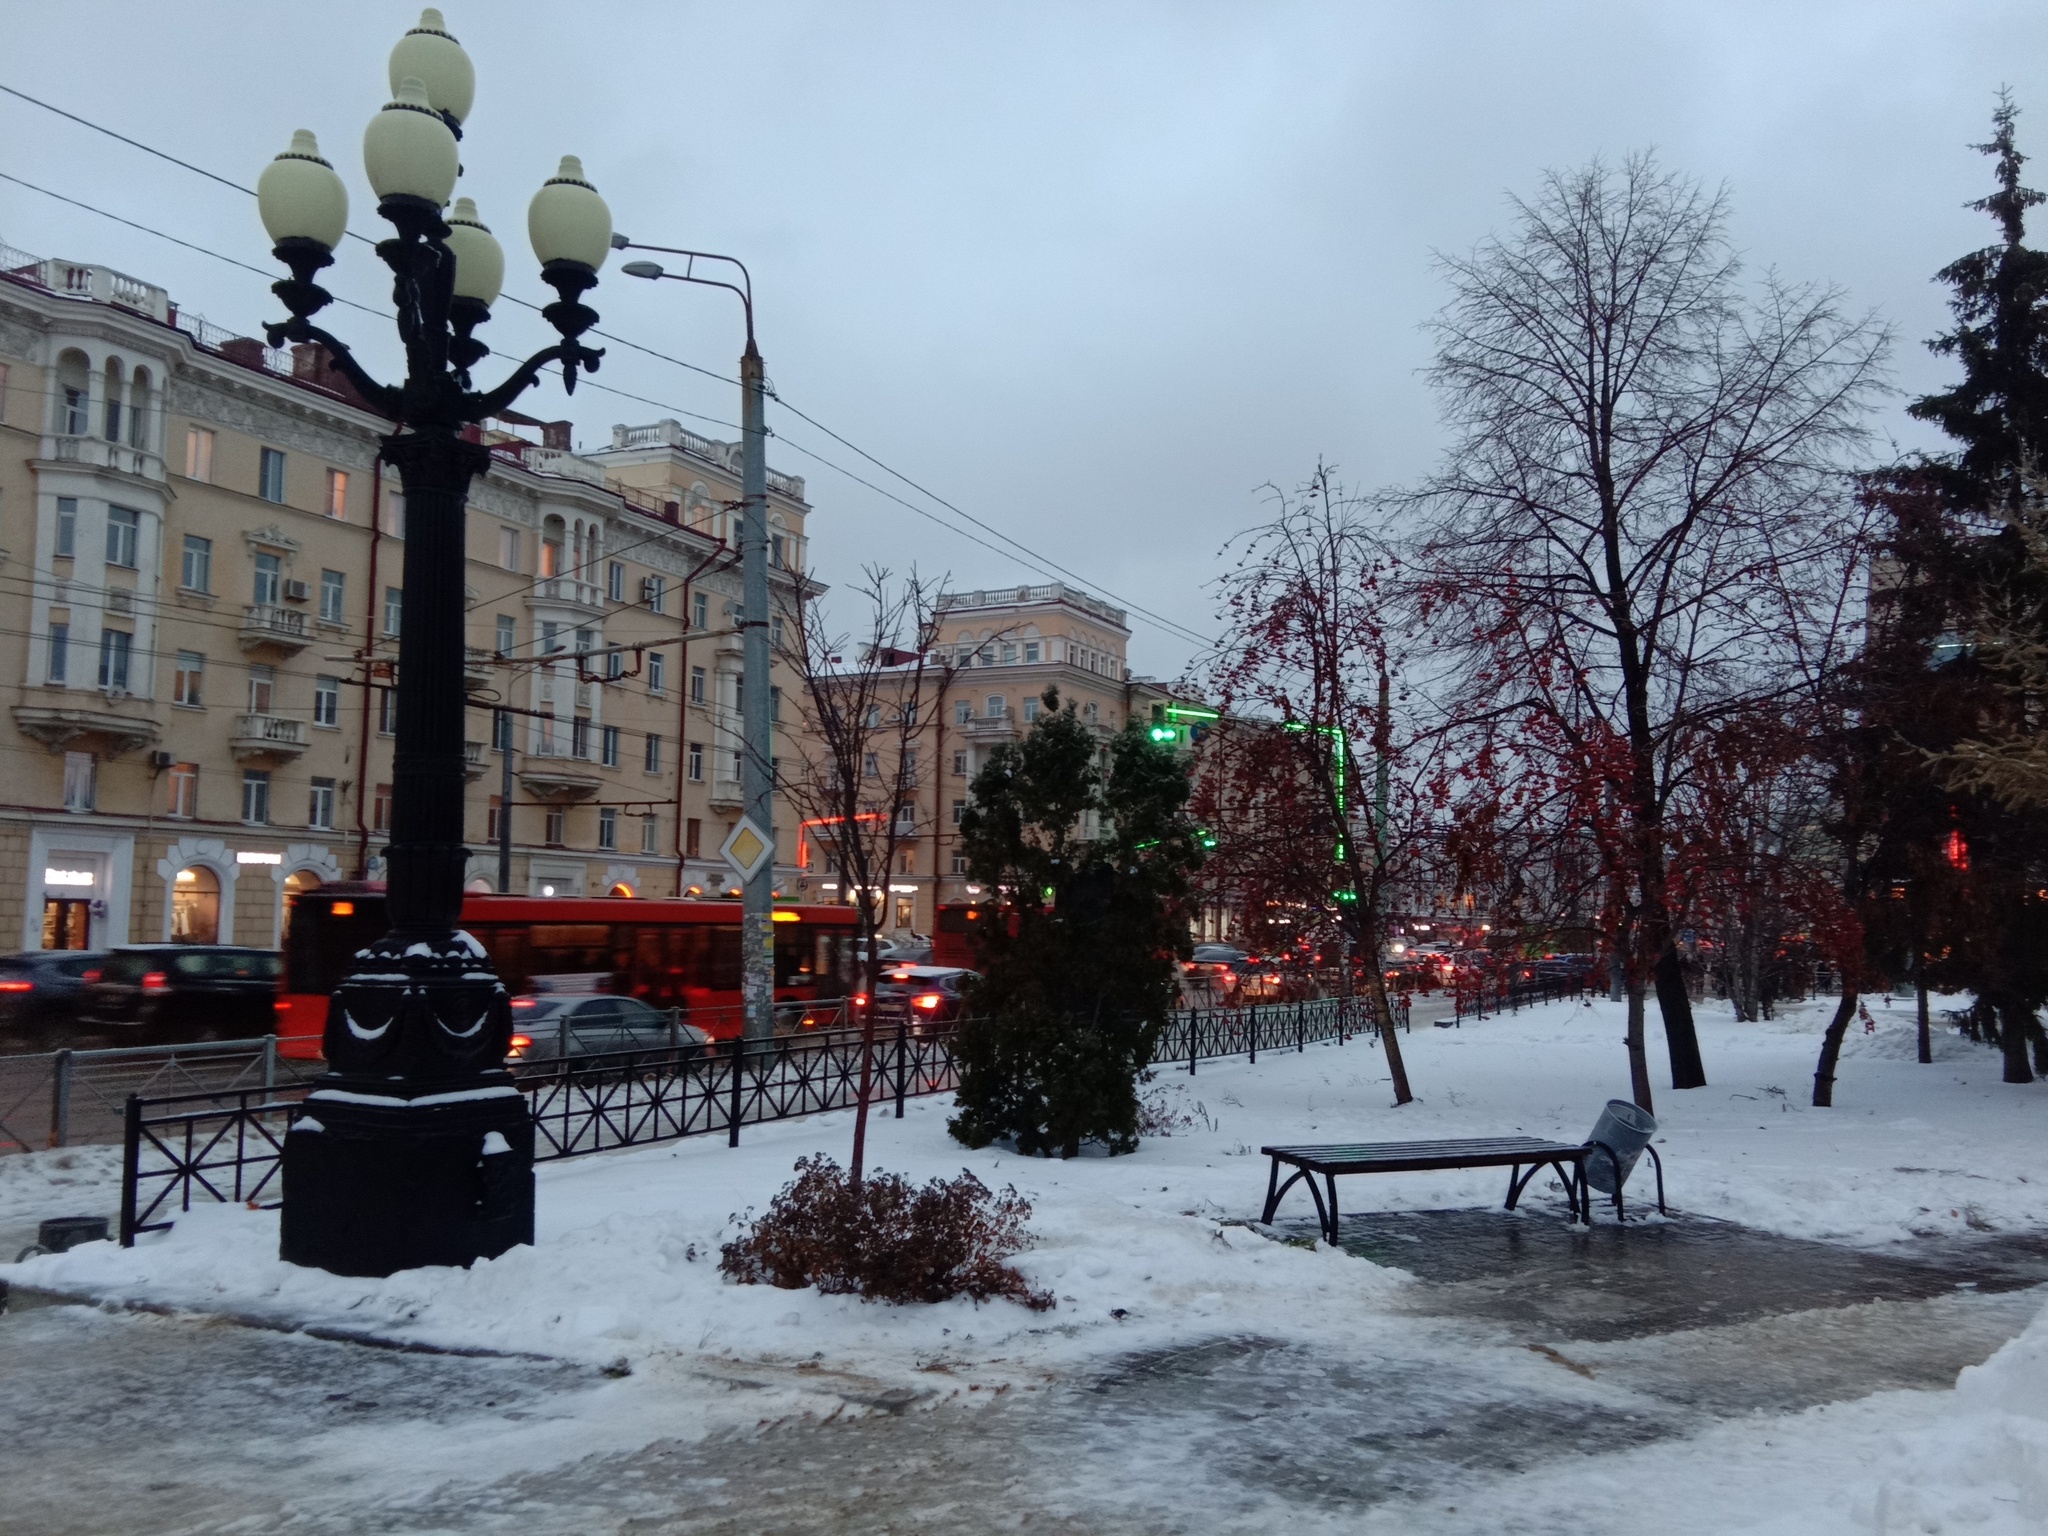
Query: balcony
x,y
269,624
98,453
112,733
476,666
556,773
989,729
472,759
726,794
566,592
268,736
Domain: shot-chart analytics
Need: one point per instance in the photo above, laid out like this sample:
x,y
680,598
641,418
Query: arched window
x,y
479,885
138,410
621,889
296,884
552,533
74,394
195,906
114,424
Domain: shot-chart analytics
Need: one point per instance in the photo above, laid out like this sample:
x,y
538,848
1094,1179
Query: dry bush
x,y
887,1240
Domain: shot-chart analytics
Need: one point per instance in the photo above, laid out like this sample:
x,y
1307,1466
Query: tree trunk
x,y
1673,1001
1638,1056
1385,1009
871,967
2015,1025
1831,1050
1920,1009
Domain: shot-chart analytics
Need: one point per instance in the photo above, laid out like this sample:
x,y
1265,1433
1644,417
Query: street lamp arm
x,y
381,398
572,355
744,288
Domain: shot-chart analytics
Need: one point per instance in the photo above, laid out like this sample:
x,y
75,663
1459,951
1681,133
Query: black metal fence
x,y
1511,995
228,1145
76,1098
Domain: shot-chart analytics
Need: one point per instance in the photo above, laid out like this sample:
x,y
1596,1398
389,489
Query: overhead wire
x,y
1041,563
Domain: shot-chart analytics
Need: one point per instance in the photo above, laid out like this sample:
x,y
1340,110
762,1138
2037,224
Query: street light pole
x,y
757,726
415,1147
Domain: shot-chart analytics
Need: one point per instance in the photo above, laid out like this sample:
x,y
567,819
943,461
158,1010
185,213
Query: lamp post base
x,y
373,1188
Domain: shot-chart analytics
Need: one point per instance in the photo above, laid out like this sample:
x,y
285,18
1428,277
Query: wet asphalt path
x,y
1528,1342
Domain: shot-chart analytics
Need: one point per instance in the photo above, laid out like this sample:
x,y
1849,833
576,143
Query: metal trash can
x,y
1625,1127
60,1234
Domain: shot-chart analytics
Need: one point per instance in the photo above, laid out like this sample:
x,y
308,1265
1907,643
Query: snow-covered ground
x,y
1143,1253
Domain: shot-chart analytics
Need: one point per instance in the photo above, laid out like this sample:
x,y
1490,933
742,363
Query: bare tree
x,y
868,697
1644,497
1307,642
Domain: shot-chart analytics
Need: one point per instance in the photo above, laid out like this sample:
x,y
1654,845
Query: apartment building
x,y
996,652
201,566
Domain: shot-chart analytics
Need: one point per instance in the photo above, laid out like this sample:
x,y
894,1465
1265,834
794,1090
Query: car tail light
x,y
17,986
860,999
343,909
90,976
282,1006
155,984
521,1044
522,1002
927,1000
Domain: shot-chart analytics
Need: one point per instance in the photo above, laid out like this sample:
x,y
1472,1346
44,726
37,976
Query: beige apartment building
x,y
997,652
200,564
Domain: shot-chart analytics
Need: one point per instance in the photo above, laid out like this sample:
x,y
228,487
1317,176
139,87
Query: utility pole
x,y
501,723
757,777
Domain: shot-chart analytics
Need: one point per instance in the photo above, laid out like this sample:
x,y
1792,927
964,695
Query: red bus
x,y
670,954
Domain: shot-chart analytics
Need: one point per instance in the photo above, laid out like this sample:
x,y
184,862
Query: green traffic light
x,y
1163,734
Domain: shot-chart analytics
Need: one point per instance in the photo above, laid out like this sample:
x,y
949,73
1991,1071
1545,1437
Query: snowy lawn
x,y
1138,1251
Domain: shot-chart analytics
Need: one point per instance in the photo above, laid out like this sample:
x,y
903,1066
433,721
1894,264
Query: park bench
x,y
1522,1156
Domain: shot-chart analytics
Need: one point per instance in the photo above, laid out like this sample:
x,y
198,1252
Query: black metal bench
x,y
1522,1156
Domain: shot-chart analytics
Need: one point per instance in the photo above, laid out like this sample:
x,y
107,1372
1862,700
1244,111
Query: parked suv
x,y
165,994
39,996
926,995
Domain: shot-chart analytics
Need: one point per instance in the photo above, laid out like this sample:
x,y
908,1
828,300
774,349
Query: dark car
x,y
40,993
554,1025
924,994
174,994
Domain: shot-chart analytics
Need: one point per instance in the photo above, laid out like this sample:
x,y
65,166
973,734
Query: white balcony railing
x,y
268,736
271,624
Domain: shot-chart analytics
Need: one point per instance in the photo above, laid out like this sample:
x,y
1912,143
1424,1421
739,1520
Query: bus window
x,y
796,956
720,968
320,946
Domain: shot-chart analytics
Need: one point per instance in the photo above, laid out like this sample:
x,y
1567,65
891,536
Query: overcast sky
x,y
1094,273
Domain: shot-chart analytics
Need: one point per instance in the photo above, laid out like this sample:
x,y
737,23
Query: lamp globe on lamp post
x,y
415,1147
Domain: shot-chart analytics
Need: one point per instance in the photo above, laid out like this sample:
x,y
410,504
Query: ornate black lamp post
x,y
415,1147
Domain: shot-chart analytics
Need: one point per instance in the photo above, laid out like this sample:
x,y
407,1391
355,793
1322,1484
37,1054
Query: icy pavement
x,y
1456,1370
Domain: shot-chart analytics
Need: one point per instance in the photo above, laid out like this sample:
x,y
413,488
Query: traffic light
x,y
1165,735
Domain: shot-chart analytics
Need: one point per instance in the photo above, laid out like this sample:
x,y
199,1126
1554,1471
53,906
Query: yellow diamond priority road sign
x,y
746,848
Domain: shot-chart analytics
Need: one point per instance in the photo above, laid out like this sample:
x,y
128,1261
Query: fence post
x,y
131,1157
1194,1020
739,1057
902,1062
1253,1032
269,1064
60,1100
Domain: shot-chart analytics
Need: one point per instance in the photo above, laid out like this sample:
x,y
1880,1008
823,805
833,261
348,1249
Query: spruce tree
x,y
1088,848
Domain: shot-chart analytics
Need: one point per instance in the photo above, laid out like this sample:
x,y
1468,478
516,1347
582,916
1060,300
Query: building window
x,y
959,863
122,525
608,746
1089,712
871,765
696,685
655,590
501,731
775,633
963,711
262,688
775,704
320,805
387,711
557,829
615,582
700,611
1030,710
77,405
256,796
960,764
67,527
380,809
115,646
614,666
269,577
777,545
995,706
199,453
183,798
336,504
650,833
693,838
333,597
270,476
508,548
608,827
327,701
550,637
959,810
657,672
508,634
1030,651
1009,653
491,814
188,683
394,609
653,753
696,762
81,781
579,736
60,651
195,573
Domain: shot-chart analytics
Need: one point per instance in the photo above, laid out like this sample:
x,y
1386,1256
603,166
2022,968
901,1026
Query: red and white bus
x,y
669,954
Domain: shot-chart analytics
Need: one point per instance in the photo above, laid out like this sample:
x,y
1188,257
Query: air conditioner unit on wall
x,y
296,591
